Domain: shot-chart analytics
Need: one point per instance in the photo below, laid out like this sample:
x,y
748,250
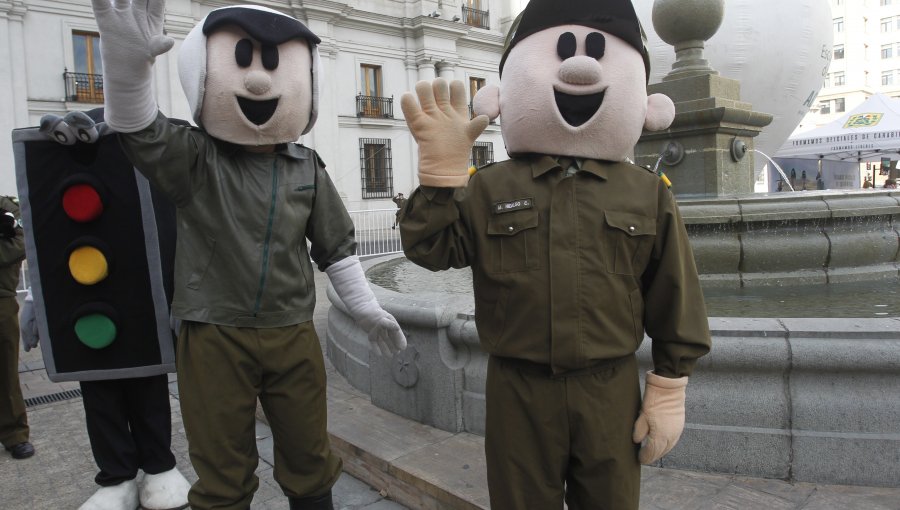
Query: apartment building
x,y
372,51
865,58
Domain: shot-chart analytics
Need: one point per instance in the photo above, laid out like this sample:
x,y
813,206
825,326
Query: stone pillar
x,y
707,151
447,71
13,91
426,69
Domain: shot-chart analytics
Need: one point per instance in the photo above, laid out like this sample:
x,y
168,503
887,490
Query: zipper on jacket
x,y
265,260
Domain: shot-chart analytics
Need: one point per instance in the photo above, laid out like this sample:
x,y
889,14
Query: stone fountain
x,y
795,399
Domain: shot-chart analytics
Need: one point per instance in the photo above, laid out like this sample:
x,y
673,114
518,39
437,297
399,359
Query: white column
x,y
13,89
447,71
426,70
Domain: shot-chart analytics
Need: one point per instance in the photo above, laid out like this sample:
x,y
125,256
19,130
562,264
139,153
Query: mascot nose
x,y
257,82
580,70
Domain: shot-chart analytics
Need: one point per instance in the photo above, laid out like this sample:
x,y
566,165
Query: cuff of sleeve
x,y
444,181
666,382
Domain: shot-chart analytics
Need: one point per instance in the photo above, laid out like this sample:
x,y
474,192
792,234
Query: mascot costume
x,y
574,251
248,199
100,244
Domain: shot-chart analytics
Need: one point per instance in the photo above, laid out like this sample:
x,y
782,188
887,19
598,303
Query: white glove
x,y
27,324
440,123
351,286
131,37
661,420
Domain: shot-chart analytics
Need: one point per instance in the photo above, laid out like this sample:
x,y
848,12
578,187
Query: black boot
x,y
322,502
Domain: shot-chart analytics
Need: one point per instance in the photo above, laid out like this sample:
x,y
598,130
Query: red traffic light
x,y
82,202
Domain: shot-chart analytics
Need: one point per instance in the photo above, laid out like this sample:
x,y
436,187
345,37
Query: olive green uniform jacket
x,y
12,252
568,270
243,222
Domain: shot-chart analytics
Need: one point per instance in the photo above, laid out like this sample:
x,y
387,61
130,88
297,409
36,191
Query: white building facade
x,y
372,51
865,58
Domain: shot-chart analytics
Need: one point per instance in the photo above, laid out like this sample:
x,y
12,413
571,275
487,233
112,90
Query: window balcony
x,y
476,18
375,107
83,87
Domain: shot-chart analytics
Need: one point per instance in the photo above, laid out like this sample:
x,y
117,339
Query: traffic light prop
x,y
100,251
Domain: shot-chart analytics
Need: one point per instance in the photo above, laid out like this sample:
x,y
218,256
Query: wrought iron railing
x,y
376,232
375,107
83,87
476,18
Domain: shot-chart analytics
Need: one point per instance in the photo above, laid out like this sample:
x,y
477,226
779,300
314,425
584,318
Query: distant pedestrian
x,y
13,420
400,200
803,180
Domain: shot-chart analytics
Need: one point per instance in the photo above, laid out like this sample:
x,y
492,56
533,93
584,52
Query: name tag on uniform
x,y
513,205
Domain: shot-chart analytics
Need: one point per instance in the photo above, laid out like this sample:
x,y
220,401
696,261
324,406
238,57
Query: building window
x,y
482,154
838,51
825,107
839,105
475,84
838,24
838,79
885,2
885,24
887,77
887,50
473,14
375,164
369,102
85,84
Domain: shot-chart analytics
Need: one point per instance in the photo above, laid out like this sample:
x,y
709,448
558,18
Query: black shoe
x,y
21,450
322,502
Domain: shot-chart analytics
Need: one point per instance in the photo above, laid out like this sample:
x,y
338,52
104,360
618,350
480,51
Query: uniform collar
x,y
542,164
291,150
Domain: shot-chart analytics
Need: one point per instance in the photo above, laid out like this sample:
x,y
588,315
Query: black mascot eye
x,y
243,53
595,45
270,57
565,48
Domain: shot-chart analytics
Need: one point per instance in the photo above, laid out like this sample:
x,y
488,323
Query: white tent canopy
x,y
870,131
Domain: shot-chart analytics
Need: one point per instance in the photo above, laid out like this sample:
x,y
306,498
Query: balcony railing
x,y
476,18
375,107
83,87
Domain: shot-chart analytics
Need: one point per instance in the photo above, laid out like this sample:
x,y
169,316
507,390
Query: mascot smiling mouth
x,y
257,112
576,110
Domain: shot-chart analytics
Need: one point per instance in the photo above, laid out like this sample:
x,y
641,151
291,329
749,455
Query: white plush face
x,y
258,96
575,91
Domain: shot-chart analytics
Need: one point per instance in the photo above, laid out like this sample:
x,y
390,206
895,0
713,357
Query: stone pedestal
x,y
714,132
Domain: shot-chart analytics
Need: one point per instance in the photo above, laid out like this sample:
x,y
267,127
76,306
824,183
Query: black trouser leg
x,y
150,417
129,426
322,502
113,447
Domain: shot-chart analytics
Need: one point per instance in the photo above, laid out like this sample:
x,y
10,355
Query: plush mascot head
x,y
250,75
573,81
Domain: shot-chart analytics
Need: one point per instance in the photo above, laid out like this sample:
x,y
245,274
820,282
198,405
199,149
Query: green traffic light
x,y
95,330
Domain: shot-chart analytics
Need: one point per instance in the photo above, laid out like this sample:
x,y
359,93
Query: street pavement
x,y
60,475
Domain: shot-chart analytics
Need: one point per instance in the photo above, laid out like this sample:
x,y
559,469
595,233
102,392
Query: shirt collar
x,y
543,164
291,150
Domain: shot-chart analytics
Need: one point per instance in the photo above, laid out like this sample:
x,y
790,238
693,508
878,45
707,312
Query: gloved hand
x,y
351,286
7,224
661,420
28,325
439,121
131,37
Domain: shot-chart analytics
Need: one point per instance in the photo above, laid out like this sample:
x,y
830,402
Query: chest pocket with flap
x,y
513,243
628,240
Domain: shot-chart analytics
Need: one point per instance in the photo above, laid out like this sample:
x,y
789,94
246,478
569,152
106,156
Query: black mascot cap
x,y
261,25
616,17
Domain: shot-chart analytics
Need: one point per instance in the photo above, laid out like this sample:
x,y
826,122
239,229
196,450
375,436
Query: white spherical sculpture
x,y
779,50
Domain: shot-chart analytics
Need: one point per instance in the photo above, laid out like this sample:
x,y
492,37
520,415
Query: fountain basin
x,y
813,400
795,238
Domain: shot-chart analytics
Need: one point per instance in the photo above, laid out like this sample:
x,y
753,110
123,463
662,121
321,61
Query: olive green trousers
x,y
564,437
13,420
221,372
